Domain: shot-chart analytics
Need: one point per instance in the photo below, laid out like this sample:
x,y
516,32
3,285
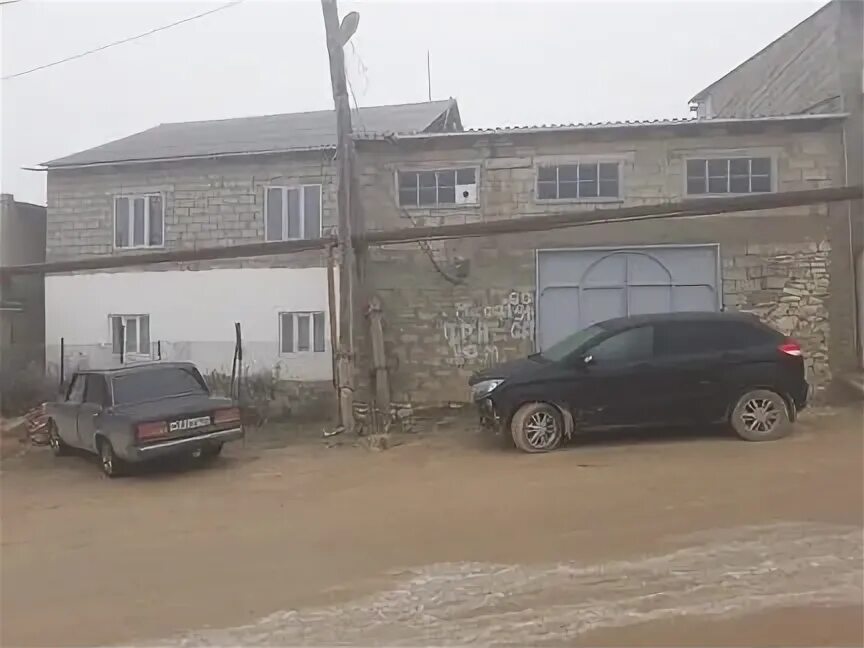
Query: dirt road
x,y
652,540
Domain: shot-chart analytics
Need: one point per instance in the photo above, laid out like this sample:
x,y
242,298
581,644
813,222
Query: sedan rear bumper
x,y
187,444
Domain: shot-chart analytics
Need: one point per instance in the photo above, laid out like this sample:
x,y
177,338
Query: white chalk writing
x,y
473,331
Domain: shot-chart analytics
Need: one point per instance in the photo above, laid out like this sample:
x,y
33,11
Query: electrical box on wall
x,y
466,194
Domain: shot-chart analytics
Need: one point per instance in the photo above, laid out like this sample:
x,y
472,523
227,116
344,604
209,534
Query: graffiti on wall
x,y
474,332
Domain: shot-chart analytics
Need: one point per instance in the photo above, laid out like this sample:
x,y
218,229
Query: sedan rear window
x,y
153,384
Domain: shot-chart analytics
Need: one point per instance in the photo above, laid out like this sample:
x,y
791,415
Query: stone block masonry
x,y
437,334
789,266
788,287
207,203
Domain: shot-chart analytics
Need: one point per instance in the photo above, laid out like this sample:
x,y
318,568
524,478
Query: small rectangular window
x,y
96,391
273,207
742,175
582,181
292,213
130,333
438,188
286,322
139,221
302,332
632,345
318,324
76,389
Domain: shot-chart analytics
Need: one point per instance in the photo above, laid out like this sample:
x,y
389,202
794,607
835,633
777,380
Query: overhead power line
x,y
121,41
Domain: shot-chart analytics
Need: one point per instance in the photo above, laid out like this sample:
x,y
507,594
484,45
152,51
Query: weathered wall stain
x,y
473,330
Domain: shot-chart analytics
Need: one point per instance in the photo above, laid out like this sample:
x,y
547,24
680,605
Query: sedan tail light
x,y
229,415
153,430
790,347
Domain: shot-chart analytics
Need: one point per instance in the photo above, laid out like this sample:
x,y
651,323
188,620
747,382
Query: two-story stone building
x,y
205,184
457,306
450,308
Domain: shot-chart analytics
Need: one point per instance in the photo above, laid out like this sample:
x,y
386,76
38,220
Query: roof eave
x,y
623,126
55,166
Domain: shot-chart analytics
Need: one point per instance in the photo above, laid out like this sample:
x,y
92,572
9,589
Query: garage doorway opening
x,y
577,287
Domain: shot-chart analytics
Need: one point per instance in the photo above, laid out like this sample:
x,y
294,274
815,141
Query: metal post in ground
x,y
62,360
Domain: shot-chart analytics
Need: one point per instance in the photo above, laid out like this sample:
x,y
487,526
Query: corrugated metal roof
x,y
684,122
255,135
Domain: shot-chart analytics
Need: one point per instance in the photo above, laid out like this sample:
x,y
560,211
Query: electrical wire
x,y
121,41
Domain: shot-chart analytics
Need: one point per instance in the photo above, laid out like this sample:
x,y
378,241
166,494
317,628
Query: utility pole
x,y
337,35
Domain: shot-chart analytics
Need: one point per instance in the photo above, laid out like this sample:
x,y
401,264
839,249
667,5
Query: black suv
x,y
642,370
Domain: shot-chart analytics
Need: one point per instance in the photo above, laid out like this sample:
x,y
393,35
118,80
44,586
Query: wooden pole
x,y
379,358
333,313
344,170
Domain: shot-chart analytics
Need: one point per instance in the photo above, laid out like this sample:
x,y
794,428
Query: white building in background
x,y
190,315
205,184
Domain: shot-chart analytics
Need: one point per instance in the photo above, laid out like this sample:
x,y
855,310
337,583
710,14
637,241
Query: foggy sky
x,y
506,63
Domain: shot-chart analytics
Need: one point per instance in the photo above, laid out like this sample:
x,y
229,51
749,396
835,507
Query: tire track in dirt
x,y
716,574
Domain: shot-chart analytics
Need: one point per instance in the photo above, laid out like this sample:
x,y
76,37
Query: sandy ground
x,y
648,538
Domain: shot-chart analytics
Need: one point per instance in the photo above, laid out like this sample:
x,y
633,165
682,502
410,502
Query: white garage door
x,y
576,288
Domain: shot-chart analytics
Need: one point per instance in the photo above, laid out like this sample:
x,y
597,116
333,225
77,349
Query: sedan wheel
x,y
111,465
58,447
761,415
537,427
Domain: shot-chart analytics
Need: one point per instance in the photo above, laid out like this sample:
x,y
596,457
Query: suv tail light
x,y
230,415
152,430
790,347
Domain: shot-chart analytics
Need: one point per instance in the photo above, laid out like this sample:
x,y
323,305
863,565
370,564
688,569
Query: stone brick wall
x,y
652,163
790,266
207,202
437,334
788,287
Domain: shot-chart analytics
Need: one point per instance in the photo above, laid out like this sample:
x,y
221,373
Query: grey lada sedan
x,y
141,412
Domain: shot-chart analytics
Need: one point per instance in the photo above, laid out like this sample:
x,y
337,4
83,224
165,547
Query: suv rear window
x,y
153,384
686,338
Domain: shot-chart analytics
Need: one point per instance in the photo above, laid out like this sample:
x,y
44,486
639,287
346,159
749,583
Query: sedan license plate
x,y
185,425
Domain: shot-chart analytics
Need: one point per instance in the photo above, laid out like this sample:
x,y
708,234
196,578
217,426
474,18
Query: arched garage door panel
x,y
577,288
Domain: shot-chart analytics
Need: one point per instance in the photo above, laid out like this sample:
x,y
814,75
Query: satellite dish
x,y
348,26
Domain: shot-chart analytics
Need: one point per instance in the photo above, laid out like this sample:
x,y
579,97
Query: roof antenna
x,y
429,74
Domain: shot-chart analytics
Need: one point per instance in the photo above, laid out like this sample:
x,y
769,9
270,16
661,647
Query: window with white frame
x,y
139,221
131,333
438,188
584,180
301,332
739,175
292,212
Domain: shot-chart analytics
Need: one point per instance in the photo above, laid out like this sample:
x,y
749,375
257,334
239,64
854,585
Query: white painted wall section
x,y
192,315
